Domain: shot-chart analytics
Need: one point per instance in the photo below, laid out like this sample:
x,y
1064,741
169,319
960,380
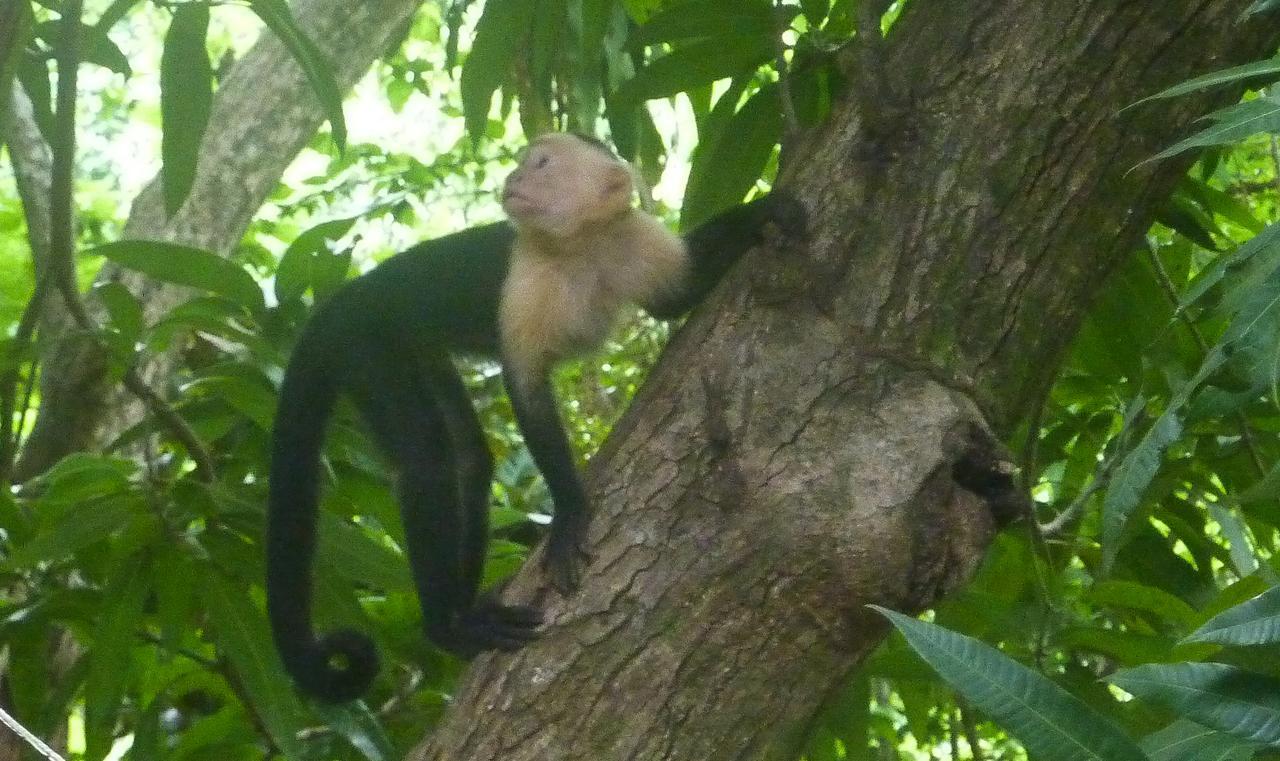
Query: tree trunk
x,y
263,114
790,459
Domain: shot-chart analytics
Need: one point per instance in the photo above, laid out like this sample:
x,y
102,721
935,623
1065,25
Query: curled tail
x,y
340,665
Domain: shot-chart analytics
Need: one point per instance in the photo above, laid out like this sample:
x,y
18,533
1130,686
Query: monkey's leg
x,y
475,470
409,423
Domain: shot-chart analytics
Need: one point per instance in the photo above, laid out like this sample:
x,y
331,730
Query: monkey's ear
x,y
616,194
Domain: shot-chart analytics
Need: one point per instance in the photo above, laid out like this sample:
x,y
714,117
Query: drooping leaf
x,y
1255,622
123,308
1241,703
1142,597
1052,723
76,529
186,97
500,34
1269,68
725,172
1230,124
693,65
319,72
243,637
360,727
184,265
1188,741
1140,465
305,263
716,18
97,47
110,664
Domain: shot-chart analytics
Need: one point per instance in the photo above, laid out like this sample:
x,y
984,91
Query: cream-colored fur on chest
x,y
561,298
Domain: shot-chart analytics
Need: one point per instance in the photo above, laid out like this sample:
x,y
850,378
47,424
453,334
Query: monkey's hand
x,y
785,212
565,557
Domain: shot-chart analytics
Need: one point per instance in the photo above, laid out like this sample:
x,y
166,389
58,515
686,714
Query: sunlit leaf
x,y
1052,723
1238,702
305,263
725,172
500,34
319,72
1268,68
186,97
1255,622
1231,124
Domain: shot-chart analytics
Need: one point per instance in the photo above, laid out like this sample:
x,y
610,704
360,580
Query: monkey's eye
x,y
542,162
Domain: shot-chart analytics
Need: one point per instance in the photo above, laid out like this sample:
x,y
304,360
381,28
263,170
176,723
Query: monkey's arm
x,y
539,420
716,245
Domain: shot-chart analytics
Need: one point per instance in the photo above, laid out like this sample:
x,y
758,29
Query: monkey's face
x,y
564,183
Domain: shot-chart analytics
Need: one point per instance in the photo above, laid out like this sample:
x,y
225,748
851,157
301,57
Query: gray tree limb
x,y
263,114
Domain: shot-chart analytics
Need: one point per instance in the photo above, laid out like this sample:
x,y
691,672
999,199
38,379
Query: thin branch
x,y
970,729
62,234
789,117
9,381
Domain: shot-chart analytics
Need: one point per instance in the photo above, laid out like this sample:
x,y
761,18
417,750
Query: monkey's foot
x,y
491,625
563,563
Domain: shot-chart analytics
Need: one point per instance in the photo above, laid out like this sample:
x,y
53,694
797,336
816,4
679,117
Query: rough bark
x,y
263,114
790,459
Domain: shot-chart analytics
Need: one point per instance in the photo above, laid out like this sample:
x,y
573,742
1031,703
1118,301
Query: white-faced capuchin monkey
x,y
545,286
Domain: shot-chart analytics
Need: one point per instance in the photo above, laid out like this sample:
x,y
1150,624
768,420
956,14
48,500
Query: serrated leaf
x,y
184,265
242,635
1254,622
1052,723
1231,124
1241,703
1266,68
186,98
110,664
724,173
1188,741
317,69
500,34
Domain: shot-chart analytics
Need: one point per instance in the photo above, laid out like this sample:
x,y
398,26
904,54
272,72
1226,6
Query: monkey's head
x,y
565,183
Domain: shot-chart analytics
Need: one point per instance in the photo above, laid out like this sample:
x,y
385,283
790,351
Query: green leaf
x,y
360,727
1231,124
715,18
1238,702
123,308
724,173
1052,723
243,637
693,65
1262,6
306,262
184,265
358,557
1254,622
1140,466
74,530
1188,741
1266,68
110,661
1141,597
186,97
97,46
500,34
279,19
